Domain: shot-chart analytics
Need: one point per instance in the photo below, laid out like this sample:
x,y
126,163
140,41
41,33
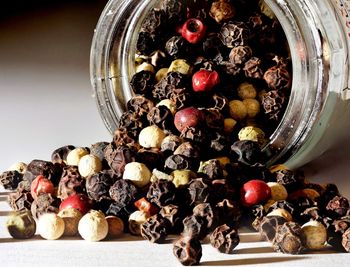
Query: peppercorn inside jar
x,y
252,69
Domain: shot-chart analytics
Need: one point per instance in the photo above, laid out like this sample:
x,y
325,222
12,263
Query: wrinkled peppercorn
x,y
188,250
268,227
338,206
10,179
154,229
234,34
195,226
246,152
20,200
121,137
145,43
199,190
346,240
154,22
59,155
252,68
240,55
278,78
140,105
176,47
118,157
175,11
177,162
229,212
211,169
173,83
289,179
132,123
288,238
98,185
172,214
51,171
44,203
224,238
142,83
162,117
71,182
162,193
273,103
123,192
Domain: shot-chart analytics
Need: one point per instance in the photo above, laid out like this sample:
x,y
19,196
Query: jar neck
x,y
318,51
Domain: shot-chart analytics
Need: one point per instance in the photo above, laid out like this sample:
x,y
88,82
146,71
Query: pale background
x,y
46,102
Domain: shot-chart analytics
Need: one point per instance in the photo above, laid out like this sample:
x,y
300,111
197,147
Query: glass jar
x,y
318,34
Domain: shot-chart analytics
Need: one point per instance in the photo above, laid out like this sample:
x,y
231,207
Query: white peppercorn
x,y
50,226
21,167
89,165
138,173
135,220
71,219
278,191
75,155
151,137
93,226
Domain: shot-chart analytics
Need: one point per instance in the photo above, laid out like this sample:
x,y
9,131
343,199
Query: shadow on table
x,y
4,213
251,261
254,250
3,198
13,240
4,193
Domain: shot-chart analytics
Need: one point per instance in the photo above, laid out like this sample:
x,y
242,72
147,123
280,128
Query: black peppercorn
x,y
98,185
188,149
273,103
224,238
71,182
10,179
145,43
199,190
175,11
142,82
178,162
195,226
140,105
123,192
240,55
252,68
234,34
154,22
211,169
118,157
188,250
162,193
121,138
176,47
170,84
172,214
59,155
278,78
288,238
162,117
37,167
246,152
154,229
268,227
338,206
20,200
229,212
44,203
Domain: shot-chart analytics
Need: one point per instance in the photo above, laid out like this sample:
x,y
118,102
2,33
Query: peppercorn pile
x,y
211,84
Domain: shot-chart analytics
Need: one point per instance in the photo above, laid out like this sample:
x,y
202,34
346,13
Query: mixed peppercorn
x,y
212,81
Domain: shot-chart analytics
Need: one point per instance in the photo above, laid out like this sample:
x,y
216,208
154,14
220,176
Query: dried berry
x,y
195,134
71,182
175,11
142,83
278,78
132,123
338,206
144,205
10,179
162,117
273,103
246,152
289,179
162,193
170,143
224,238
45,203
20,200
145,43
252,68
21,225
171,84
212,46
188,250
151,137
140,105
240,55
151,157
97,150
195,226
346,240
229,212
222,10
98,185
211,169
51,171
154,22
59,155
178,162
154,229
118,157
193,30
288,239
188,149
234,34
268,227
342,224
199,190
172,214
123,192
121,137
207,213
176,47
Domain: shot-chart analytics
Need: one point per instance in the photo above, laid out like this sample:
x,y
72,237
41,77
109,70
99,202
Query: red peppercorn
x,y
41,185
254,192
193,30
144,205
77,201
205,80
188,117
